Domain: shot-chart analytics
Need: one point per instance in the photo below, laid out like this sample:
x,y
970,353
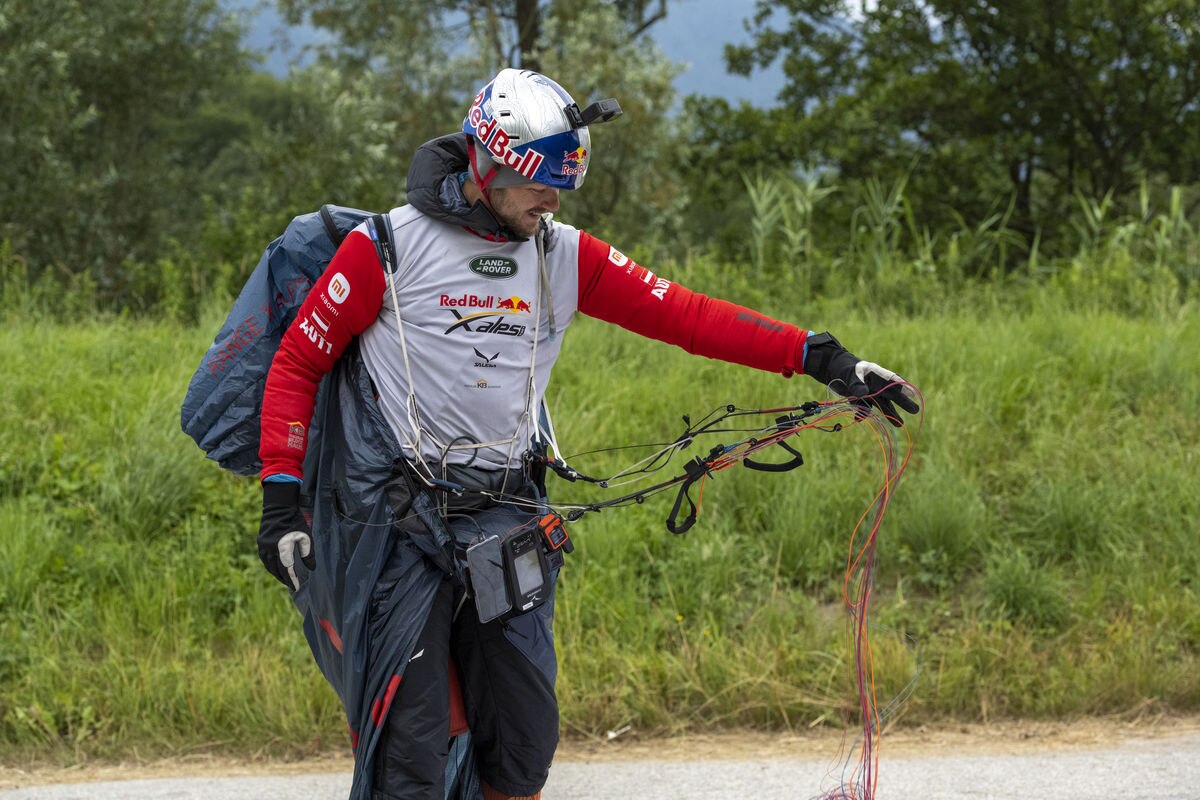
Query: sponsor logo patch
x,y
467,301
658,286
485,361
295,439
495,267
514,304
313,331
497,142
483,323
339,288
578,157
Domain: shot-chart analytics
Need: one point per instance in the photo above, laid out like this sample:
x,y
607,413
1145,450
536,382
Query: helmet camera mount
x,y
597,112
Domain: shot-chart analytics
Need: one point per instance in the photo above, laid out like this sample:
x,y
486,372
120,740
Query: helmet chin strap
x,y
481,182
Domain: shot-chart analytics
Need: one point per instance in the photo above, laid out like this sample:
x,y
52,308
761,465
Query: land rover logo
x,y
496,267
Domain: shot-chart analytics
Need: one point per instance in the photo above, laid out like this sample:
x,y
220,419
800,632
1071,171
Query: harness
x,y
531,426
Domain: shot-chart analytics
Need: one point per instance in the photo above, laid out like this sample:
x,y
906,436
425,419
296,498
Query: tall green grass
x,y
1046,528
1041,550
1140,256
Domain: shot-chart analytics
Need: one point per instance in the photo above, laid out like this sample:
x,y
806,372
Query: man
x,y
451,350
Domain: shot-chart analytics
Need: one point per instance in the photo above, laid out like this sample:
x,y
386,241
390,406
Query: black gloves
x,y
284,530
843,372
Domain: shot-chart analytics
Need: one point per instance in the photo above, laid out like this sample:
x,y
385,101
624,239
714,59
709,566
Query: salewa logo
x,y
485,361
495,267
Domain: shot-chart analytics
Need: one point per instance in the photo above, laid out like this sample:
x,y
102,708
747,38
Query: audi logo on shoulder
x,y
495,267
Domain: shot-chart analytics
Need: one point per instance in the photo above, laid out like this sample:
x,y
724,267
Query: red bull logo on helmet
x,y
475,115
578,157
496,141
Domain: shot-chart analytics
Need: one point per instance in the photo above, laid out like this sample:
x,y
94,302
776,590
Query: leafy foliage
x,y
916,144
631,194
1043,100
97,99
148,162
594,49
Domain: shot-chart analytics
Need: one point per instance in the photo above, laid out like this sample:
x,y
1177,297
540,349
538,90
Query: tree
x,y
93,98
428,57
632,192
507,32
141,149
284,147
1040,98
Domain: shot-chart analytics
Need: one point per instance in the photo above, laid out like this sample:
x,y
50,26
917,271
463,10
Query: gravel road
x,y
1165,768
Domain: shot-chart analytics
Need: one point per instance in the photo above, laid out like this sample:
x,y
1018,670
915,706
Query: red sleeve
x,y
343,302
615,289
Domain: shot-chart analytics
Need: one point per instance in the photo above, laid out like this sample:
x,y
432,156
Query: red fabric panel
x,y
343,302
616,289
379,708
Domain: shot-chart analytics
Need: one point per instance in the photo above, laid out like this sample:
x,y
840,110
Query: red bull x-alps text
x,y
467,301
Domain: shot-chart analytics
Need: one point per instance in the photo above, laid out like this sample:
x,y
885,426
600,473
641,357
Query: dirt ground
x,y
992,738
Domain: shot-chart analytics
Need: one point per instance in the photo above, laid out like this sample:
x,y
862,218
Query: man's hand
x,y
843,372
282,532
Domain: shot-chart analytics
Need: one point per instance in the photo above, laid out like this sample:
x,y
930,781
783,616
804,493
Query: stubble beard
x,y
519,221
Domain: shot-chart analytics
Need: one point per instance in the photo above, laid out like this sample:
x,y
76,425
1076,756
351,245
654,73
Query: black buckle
x,y
597,112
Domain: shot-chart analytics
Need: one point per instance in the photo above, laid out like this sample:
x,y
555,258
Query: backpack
x,y
224,398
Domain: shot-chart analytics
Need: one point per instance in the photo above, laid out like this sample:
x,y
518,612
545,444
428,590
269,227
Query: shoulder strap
x,y
380,227
331,227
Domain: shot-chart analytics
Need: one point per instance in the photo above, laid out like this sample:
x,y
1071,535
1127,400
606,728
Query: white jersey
x,y
479,335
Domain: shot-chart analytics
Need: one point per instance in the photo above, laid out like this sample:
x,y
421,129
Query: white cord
x,y
411,411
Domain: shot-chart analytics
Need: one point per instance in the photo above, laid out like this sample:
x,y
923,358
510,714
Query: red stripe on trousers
x,y
332,634
380,708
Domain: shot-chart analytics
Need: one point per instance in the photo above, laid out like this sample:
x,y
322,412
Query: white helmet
x,y
532,131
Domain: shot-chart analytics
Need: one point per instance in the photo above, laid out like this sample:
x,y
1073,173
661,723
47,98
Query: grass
x,y
1047,469
1041,550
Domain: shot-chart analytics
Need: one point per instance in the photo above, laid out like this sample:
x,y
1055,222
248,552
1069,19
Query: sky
x,y
693,34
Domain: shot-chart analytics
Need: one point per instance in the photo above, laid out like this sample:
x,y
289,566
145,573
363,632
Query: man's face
x,y
521,207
